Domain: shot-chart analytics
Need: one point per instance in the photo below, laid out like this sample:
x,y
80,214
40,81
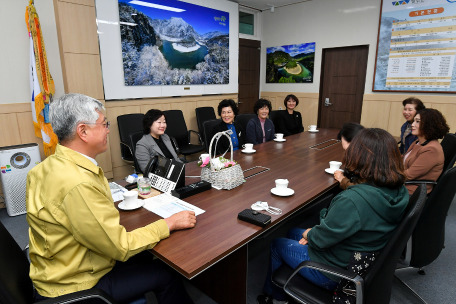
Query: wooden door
x,y
342,84
249,74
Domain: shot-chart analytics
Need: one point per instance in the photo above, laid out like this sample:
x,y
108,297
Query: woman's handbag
x,y
223,178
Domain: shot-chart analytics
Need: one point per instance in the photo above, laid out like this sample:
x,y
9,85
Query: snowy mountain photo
x,y
175,44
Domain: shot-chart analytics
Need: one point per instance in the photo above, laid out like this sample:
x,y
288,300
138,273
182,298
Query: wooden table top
x,y
218,232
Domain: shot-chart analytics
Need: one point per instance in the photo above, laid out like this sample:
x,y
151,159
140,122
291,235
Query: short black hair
x,y
414,101
149,118
260,104
290,96
227,103
349,131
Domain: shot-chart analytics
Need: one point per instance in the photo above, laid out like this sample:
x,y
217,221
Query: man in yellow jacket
x,y
75,235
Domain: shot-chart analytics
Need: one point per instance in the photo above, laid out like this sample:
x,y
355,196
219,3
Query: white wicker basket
x,y
227,178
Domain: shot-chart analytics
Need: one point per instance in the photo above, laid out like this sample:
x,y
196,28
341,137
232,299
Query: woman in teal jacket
x,y
362,218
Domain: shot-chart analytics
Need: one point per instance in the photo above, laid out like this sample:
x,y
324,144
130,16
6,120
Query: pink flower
x,y
230,163
206,161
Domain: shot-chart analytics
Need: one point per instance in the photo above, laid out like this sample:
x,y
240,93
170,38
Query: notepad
x,y
165,205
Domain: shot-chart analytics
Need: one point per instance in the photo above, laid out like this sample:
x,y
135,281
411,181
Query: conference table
x,y
213,254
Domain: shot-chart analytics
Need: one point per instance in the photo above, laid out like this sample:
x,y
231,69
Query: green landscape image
x,y
290,63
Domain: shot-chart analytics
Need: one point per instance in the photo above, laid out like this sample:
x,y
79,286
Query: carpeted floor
x,y
437,286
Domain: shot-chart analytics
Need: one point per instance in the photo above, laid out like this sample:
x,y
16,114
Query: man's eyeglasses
x,y
106,124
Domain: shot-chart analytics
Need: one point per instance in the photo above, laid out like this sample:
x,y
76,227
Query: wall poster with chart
x,y
416,46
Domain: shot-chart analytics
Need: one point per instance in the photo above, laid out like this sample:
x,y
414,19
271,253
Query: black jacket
x,y
289,124
224,143
255,132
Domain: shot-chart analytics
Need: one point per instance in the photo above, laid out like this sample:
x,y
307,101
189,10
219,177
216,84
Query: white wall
x,y
328,23
14,51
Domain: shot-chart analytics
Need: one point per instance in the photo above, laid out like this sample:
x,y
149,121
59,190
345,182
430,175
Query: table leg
x,y
226,281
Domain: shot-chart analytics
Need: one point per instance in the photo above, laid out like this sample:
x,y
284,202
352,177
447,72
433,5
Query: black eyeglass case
x,y
258,219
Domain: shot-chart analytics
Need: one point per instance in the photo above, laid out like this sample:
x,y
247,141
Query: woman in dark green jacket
x,y
362,218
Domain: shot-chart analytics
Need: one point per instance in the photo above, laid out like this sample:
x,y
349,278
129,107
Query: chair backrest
x,y
128,124
15,284
134,138
208,126
204,114
176,127
274,117
428,238
449,150
379,276
243,119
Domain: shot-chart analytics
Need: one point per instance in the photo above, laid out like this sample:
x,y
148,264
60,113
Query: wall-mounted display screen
x,y
416,46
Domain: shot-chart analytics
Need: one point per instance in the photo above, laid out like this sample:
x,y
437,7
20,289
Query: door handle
x,y
239,102
327,103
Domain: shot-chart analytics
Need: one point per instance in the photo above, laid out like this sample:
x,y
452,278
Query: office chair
x,y
208,126
204,114
135,137
449,150
375,286
128,124
428,238
274,117
177,128
16,287
243,119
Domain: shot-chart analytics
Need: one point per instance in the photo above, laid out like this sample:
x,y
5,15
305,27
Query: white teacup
x,y
248,147
281,184
334,165
312,127
279,136
130,198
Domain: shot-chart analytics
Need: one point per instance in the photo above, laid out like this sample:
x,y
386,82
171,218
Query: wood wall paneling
x,y
114,138
10,130
123,171
82,2
83,74
78,28
375,114
27,131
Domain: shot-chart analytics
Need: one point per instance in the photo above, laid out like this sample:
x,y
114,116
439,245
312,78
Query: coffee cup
x,y
144,186
130,198
248,147
279,136
312,127
281,184
334,165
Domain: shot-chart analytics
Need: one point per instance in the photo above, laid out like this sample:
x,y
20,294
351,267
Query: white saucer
x,y
286,192
132,206
328,170
248,151
313,131
282,140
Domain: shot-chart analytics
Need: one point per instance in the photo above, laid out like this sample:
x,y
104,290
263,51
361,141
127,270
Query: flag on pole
x,y
41,83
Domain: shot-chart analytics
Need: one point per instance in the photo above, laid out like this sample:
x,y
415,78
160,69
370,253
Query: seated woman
x,y
411,106
361,218
260,129
227,110
289,121
424,159
346,135
154,140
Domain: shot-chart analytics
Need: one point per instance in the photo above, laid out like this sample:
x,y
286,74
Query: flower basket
x,y
222,173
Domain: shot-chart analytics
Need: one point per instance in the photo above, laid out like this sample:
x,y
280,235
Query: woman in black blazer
x,y
260,129
289,121
227,110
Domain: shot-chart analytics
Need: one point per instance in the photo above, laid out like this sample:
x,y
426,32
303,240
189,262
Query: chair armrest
x,y
339,272
127,147
197,133
174,143
80,296
421,182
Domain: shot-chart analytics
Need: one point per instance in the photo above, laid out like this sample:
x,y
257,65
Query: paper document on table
x,y
166,205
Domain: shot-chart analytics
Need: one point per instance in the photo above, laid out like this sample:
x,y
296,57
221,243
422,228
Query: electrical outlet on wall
x,y
280,108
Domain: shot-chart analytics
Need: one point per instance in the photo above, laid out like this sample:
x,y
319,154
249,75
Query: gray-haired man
x,y
75,236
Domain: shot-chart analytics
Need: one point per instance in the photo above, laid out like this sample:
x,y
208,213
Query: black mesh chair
x,y
16,287
428,238
375,286
243,119
128,124
449,150
274,117
177,128
204,114
208,126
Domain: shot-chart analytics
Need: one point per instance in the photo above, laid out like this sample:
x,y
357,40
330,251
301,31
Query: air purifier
x,y
15,163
